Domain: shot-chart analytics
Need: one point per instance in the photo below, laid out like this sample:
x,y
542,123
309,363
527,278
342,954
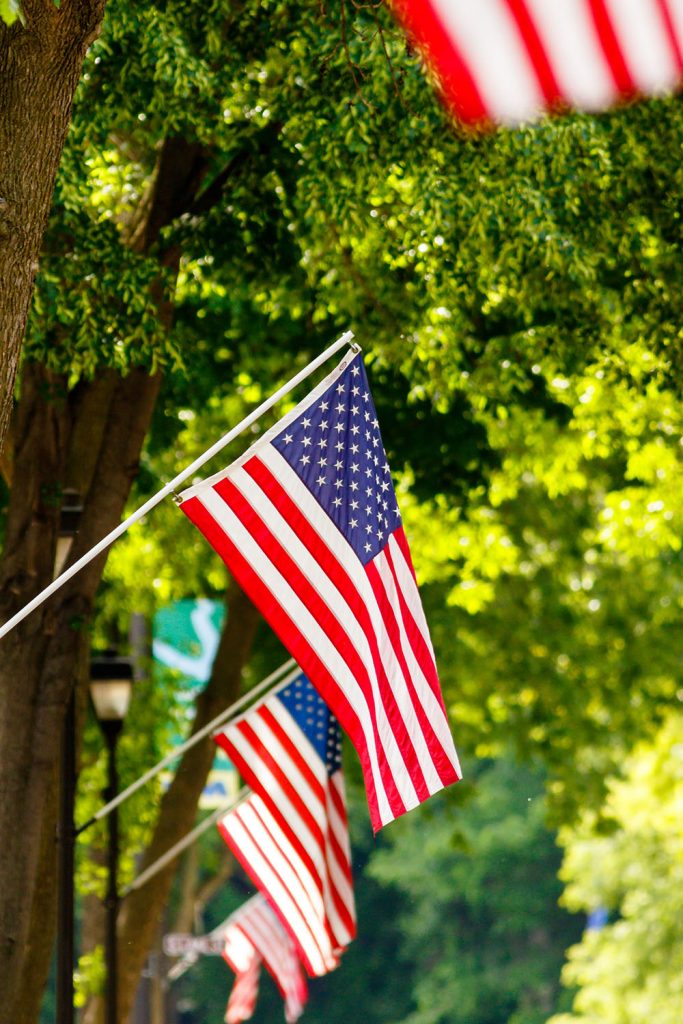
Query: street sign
x,y
181,944
185,637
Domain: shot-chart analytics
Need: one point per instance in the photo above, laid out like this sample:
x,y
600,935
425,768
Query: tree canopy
x,y
242,182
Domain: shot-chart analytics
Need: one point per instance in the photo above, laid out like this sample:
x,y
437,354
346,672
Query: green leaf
x,y
9,11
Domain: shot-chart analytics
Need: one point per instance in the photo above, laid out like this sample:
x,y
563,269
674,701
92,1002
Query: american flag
x,y
254,934
509,60
307,522
291,833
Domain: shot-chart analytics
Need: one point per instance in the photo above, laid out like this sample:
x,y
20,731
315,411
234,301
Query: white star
x,y
355,371
323,424
337,502
380,534
288,438
339,427
355,390
368,509
354,410
367,415
368,547
353,523
368,472
354,429
306,441
354,449
338,484
368,528
305,459
375,442
385,485
320,481
340,408
354,485
366,396
324,406
354,467
340,389
368,491
354,505
322,443
339,464
305,423
322,462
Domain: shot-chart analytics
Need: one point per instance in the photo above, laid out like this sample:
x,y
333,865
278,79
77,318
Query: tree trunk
x,y
46,655
142,909
40,66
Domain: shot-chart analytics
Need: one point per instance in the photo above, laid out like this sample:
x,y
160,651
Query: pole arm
x,y
195,738
170,487
183,843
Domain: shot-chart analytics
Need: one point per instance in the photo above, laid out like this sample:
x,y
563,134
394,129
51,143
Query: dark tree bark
x,y
89,439
44,657
40,65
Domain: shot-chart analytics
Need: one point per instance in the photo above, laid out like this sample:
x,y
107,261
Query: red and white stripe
x,y
509,60
300,897
358,632
244,992
254,930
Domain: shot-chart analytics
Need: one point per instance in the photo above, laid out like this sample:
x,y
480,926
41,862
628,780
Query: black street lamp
x,y
111,684
69,521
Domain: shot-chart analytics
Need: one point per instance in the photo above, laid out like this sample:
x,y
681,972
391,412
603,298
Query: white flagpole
x,y
195,738
174,483
183,843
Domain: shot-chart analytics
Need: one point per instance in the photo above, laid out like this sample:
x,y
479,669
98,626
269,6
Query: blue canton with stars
x,y
336,448
314,718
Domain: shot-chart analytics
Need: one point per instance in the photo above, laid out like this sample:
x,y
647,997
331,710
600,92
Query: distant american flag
x,y
254,934
291,834
509,60
307,521
244,992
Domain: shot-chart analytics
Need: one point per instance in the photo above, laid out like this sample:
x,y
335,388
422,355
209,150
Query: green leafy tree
x,y
479,921
628,860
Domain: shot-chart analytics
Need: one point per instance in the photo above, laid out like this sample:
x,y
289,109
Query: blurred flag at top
x,y
509,61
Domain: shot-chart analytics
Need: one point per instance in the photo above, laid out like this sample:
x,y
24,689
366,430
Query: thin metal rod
x,y
188,744
111,731
175,483
65,911
183,843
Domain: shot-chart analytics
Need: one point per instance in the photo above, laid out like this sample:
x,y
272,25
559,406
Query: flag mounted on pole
x,y
509,61
307,522
291,834
253,935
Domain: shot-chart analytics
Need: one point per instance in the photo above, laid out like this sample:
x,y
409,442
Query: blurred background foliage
x,y
518,300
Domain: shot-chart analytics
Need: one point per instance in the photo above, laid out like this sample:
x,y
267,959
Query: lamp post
x,y
111,683
69,521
